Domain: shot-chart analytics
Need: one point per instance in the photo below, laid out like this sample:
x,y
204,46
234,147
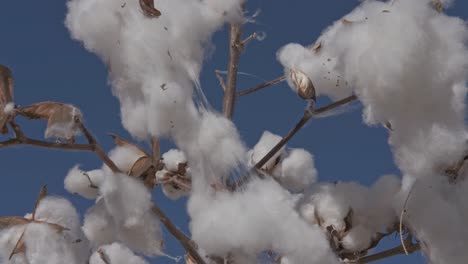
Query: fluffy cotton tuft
x,y
84,183
124,157
267,141
173,158
297,170
126,198
116,253
227,221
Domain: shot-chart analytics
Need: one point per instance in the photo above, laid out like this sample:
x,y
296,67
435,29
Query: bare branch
x,y
248,39
235,51
411,248
179,235
262,86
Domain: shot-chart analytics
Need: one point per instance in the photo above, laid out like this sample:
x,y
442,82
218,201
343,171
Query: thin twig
x,y
184,240
221,80
308,114
248,39
235,51
411,248
262,86
403,211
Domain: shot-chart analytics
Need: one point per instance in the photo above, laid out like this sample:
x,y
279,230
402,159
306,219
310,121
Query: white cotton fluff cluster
x,y
153,61
116,253
296,171
123,213
84,183
224,222
415,80
216,148
124,157
172,158
370,210
266,142
293,168
45,244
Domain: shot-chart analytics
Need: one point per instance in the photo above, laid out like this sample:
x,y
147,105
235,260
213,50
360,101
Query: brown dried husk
x,y
147,6
6,85
42,110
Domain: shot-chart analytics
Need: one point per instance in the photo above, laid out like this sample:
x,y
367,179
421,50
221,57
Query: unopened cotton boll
x,y
267,141
297,170
116,253
84,183
173,158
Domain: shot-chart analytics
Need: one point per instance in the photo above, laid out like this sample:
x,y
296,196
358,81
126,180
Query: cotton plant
x,y
412,81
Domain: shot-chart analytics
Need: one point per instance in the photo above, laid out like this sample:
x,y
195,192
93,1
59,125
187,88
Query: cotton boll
x,y
218,146
173,158
320,67
45,245
126,198
116,253
297,170
77,181
145,237
227,221
381,201
331,207
124,157
357,239
60,211
307,212
267,141
8,239
98,226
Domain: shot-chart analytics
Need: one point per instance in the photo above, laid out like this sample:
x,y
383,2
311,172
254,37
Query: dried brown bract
x,y
147,6
61,118
304,85
6,96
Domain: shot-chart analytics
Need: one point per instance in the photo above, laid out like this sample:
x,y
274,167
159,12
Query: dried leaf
x,y
121,142
42,195
6,85
42,110
147,6
9,221
20,246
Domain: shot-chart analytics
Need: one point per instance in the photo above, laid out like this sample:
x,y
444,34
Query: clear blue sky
x,y
48,65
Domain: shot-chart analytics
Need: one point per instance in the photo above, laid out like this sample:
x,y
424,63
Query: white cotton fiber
x,y
84,183
126,198
266,142
173,158
297,170
116,253
124,157
98,225
226,221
